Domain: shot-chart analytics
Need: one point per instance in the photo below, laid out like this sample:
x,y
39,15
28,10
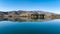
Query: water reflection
x,y
23,19
9,27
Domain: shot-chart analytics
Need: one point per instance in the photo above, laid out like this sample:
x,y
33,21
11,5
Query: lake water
x,y
30,27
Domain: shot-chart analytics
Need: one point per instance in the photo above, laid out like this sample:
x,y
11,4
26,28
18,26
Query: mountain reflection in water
x,y
23,19
29,26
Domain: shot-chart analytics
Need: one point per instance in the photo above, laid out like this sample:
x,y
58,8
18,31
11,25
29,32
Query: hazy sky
x,y
44,5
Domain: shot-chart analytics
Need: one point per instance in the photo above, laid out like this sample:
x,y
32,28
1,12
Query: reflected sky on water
x,y
29,26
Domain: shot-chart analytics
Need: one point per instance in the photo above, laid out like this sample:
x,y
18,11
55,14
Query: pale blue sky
x,y
44,5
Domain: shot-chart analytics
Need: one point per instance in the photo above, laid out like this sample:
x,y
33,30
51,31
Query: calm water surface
x,y
29,27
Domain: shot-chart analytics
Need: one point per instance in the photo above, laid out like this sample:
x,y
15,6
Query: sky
x,y
43,5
